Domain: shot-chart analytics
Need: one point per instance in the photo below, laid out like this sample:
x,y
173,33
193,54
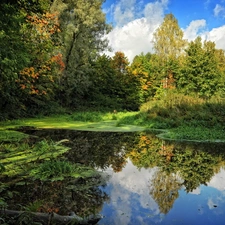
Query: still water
x,y
146,180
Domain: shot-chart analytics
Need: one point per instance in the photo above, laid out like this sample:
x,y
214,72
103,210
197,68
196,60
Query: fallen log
x,y
50,218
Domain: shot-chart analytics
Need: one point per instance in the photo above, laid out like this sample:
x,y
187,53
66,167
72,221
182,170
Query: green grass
x,y
92,121
186,117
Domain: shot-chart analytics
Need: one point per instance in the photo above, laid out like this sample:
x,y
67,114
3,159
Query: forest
x,y
52,61
57,81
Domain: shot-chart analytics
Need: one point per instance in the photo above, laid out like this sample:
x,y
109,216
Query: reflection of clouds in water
x,y
196,191
218,181
216,201
215,204
131,192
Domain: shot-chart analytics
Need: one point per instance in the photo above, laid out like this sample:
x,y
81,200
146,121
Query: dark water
x,y
147,180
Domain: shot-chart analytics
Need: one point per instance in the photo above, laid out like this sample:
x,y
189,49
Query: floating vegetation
x,y
19,158
58,170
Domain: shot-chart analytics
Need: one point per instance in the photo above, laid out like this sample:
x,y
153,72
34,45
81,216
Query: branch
x,y
52,218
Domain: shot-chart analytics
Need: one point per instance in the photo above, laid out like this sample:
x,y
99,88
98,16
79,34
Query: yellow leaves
x,y
22,86
145,87
33,82
29,72
167,151
34,92
58,59
45,25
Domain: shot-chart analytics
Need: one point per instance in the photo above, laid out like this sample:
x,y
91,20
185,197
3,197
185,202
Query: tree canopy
x,y
52,56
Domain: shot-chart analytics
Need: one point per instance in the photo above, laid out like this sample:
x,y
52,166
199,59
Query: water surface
x,y
147,180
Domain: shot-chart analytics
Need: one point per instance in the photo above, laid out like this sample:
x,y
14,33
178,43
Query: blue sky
x,y
134,22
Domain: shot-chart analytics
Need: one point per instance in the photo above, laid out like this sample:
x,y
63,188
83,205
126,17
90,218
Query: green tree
x,y
102,92
168,39
169,46
12,57
202,69
126,88
83,26
141,68
27,63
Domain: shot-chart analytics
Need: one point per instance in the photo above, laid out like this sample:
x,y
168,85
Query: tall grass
x,y
175,110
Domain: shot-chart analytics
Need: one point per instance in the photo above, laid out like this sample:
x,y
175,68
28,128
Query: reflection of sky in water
x,y
131,204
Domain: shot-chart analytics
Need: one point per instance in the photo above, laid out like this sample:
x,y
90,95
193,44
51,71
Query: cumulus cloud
x,y
217,35
218,181
124,12
198,28
133,185
219,10
194,29
135,24
133,38
154,12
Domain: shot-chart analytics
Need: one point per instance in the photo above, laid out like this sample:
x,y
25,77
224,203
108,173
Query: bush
x,y
176,109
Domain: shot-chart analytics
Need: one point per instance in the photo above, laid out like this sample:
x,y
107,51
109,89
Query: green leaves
x,y
201,73
168,39
58,170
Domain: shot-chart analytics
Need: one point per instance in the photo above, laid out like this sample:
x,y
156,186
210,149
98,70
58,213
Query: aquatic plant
x,y
18,158
55,170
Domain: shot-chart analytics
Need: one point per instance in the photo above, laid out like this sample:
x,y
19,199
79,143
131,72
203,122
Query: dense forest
x,y
52,59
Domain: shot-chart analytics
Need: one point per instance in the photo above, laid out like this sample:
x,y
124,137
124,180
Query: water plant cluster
x,y
179,116
32,162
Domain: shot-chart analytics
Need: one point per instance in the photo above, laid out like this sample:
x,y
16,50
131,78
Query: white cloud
x,y
154,12
219,10
129,187
135,26
217,35
207,3
218,181
133,38
194,29
124,12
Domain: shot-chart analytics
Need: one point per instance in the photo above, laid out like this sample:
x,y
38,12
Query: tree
x,y
126,89
168,39
169,46
28,59
202,69
141,68
103,84
83,26
12,57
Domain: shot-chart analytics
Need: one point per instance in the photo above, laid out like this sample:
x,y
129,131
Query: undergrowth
x,y
175,110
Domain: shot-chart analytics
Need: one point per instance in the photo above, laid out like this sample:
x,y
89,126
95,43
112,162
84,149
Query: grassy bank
x,y
183,117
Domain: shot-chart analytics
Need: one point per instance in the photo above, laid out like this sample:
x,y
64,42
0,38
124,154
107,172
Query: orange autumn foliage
x,y
46,24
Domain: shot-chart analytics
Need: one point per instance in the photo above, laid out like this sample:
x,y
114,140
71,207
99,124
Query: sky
x,y
135,21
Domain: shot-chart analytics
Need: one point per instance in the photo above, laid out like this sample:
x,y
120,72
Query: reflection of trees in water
x,y
101,150
97,149
196,163
145,151
164,189
80,196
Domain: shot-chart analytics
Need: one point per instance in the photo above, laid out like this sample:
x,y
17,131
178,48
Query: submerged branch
x,y
51,218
